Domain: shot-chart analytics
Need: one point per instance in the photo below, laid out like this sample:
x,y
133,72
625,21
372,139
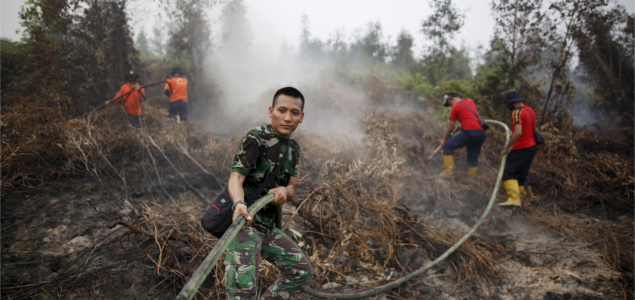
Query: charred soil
x,y
113,213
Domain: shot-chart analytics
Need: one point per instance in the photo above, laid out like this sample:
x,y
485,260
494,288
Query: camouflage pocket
x,y
241,280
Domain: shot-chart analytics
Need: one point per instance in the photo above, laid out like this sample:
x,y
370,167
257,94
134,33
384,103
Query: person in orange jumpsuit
x,y
133,101
176,89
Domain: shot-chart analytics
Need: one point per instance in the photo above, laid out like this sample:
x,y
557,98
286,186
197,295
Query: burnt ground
x,y
364,221
51,235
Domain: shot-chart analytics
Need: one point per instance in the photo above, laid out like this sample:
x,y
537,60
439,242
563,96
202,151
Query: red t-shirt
x,y
177,85
526,117
132,102
465,116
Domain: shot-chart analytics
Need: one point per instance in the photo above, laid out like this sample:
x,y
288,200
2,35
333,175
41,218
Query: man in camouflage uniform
x,y
259,152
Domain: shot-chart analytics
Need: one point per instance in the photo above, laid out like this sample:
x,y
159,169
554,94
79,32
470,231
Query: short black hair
x,y
289,91
453,94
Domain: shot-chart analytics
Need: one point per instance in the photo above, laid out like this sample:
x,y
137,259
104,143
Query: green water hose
x,y
189,290
441,258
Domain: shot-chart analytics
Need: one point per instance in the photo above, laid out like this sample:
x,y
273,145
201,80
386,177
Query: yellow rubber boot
x,y
513,193
448,164
471,173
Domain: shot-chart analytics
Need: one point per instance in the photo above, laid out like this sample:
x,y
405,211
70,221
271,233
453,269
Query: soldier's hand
x,y
280,195
107,102
241,209
505,151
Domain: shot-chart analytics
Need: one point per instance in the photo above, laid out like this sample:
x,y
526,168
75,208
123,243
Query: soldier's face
x,y
286,115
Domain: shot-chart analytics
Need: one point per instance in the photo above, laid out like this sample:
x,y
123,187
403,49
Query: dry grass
x,y
32,151
353,214
351,222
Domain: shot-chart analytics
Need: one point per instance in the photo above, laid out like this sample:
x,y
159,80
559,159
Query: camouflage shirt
x,y
258,154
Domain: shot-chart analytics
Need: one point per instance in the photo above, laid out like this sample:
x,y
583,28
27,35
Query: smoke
x,y
583,115
248,70
581,111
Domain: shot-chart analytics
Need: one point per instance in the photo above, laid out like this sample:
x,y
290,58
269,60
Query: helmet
x,y
512,96
132,76
448,97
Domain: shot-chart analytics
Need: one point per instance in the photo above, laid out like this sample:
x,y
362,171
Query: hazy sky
x,y
9,19
276,20
327,16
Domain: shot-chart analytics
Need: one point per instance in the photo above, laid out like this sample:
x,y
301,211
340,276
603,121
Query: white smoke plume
x,y
248,70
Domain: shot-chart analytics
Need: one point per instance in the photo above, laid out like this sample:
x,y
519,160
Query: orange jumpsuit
x,y
132,102
176,89
177,86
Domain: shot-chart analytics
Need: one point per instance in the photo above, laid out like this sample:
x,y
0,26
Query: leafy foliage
x,y
185,40
369,48
517,43
74,53
442,60
13,64
402,56
605,43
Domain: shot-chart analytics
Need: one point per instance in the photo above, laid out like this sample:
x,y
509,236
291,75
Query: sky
x,y
327,16
279,20
9,19
275,21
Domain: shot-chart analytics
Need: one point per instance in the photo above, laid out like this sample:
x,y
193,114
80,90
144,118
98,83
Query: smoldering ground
x,y
372,209
368,209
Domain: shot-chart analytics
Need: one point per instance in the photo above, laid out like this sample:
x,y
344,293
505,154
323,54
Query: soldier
x,y
522,148
472,135
260,150
132,102
176,89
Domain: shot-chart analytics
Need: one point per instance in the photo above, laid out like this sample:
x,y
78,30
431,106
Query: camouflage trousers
x,y
243,260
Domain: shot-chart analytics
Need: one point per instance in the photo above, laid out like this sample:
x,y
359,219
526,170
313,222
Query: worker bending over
x,y
260,150
133,101
176,89
472,135
522,148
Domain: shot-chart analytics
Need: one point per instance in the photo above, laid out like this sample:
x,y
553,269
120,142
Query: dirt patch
x,y
123,223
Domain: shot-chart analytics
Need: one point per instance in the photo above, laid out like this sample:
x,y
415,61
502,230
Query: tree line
x,y
74,53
